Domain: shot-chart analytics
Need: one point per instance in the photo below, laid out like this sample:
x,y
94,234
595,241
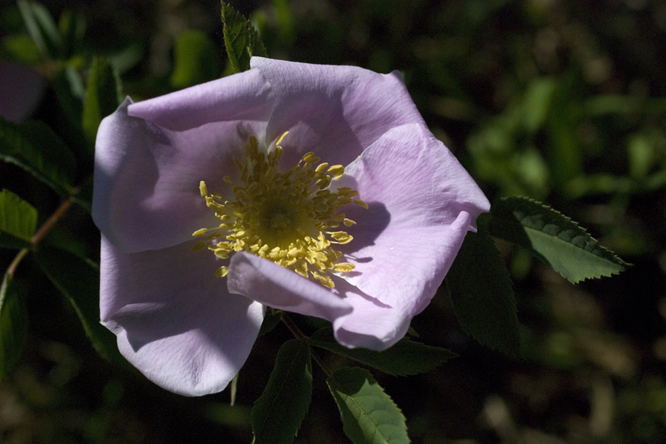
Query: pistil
x,y
286,217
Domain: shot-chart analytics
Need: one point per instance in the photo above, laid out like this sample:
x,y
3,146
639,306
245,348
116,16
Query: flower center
x,y
286,217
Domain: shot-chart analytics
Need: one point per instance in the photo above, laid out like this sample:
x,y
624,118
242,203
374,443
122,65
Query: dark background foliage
x,y
562,101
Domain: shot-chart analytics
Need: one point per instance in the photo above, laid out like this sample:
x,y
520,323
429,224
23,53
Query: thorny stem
x,y
302,337
41,233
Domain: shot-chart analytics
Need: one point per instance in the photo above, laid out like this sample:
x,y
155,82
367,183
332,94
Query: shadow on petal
x,y
345,290
370,224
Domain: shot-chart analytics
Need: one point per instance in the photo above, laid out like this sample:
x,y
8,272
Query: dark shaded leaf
x,y
13,325
482,294
41,27
271,319
279,411
34,147
78,280
406,357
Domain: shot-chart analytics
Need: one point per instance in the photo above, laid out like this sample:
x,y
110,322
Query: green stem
x,y
302,337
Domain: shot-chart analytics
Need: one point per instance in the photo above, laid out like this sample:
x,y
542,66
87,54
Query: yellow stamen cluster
x,y
284,217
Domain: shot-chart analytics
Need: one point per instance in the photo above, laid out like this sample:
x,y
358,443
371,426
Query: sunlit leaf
x,y
241,40
553,238
78,280
18,221
279,411
102,96
369,415
13,325
34,147
482,294
404,358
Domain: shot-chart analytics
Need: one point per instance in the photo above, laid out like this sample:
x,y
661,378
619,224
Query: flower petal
x,y
421,204
372,325
174,321
147,178
335,111
278,287
358,319
243,96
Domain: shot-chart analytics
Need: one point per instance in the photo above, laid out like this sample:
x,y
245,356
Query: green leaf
x,y
279,411
271,319
369,415
41,27
19,48
553,238
102,96
565,149
482,294
18,221
72,27
536,105
13,325
241,40
195,60
78,280
406,357
34,147
66,113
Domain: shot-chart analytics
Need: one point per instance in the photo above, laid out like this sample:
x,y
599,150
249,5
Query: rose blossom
x,y
313,189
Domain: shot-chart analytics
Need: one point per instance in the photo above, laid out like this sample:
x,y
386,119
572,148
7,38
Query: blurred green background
x,y
562,101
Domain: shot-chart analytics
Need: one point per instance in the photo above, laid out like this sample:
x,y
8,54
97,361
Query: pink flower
x,y
363,241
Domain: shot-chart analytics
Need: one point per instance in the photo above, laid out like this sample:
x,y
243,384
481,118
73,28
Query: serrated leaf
x,y
482,294
34,147
78,280
102,96
279,411
18,221
369,415
13,325
406,357
553,238
241,40
195,60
